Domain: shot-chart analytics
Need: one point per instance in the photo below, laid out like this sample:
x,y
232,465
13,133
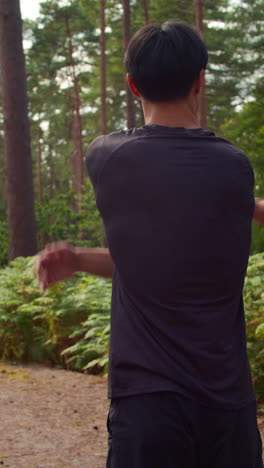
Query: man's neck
x,y
180,113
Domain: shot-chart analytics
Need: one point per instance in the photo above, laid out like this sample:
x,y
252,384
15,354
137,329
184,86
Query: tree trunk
x,y
51,186
51,176
145,10
20,194
40,184
131,117
199,23
103,68
77,120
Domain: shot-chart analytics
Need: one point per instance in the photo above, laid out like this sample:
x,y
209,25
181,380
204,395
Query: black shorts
x,y
163,430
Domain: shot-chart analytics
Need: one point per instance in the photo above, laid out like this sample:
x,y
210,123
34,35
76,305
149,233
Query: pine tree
x,y
20,195
131,117
145,10
103,68
199,23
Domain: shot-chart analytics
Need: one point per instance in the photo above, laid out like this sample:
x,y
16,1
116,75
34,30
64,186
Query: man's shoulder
x,y
102,147
114,138
232,151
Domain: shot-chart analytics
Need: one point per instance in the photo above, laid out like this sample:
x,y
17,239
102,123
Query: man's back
x,y
177,206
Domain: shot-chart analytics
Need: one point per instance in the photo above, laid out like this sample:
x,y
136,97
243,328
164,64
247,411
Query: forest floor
x,y
53,418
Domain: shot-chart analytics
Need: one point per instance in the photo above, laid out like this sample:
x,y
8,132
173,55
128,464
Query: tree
x,y
103,68
20,196
199,23
131,118
234,37
145,10
62,41
76,110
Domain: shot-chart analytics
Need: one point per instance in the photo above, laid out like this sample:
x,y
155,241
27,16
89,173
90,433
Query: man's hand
x,y
60,260
57,262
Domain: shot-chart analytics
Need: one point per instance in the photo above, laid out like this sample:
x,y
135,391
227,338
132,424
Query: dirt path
x,y
52,418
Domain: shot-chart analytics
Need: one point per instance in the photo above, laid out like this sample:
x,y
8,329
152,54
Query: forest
x,y
75,87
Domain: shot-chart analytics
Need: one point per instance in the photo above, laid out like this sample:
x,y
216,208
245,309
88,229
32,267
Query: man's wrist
x,y
95,261
81,260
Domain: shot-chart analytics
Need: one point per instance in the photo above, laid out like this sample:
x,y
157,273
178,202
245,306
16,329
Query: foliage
x,y
57,219
91,350
3,243
235,41
40,328
18,336
246,130
254,308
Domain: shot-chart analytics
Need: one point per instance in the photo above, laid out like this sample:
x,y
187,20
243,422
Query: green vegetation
x,y
254,306
246,130
68,325
57,219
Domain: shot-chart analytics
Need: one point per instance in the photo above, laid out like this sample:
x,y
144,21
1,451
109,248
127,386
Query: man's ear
x,y
199,82
132,86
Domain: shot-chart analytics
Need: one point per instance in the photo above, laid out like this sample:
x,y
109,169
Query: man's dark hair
x,y
165,60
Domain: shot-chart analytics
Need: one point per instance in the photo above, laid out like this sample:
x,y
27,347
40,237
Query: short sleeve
x,y
95,159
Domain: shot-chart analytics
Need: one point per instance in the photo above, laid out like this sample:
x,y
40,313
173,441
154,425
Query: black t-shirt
x,y
177,206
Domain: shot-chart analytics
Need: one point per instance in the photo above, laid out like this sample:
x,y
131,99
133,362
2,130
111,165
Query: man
x,y
177,204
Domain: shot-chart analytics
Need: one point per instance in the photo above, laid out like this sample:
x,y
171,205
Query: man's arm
x,y
60,260
95,261
259,210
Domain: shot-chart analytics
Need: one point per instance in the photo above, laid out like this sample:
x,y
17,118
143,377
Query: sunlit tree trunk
x,y
40,185
77,120
103,68
20,194
145,10
40,182
131,117
199,23
51,175
52,186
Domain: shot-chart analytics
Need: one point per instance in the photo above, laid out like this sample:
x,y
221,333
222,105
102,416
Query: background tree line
x,y
76,91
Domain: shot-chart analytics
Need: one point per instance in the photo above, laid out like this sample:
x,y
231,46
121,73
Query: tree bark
x,y
40,185
51,174
131,115
77,120
52,186
20,194
145,10
199,23
103,68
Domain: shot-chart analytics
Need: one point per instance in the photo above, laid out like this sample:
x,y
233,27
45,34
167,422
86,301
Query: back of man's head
x,y
165,60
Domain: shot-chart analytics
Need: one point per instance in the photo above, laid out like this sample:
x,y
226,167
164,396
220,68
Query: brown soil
x,y
53,418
